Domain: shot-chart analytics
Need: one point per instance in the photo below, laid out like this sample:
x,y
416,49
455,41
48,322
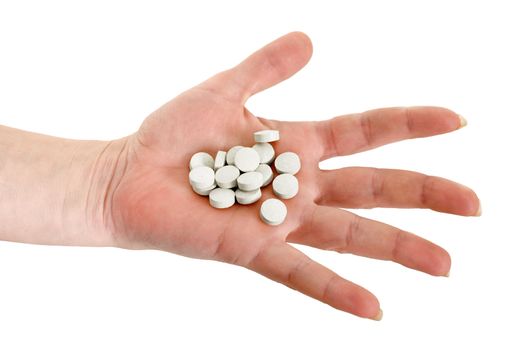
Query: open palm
x,y
154,206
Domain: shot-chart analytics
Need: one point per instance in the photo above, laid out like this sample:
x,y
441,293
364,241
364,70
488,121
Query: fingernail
x,y
447,274
379,316
478,213
462,121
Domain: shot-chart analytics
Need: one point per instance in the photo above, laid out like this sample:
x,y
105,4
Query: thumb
x,y
266,67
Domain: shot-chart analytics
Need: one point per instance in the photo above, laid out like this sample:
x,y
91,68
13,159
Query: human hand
x,y
152,205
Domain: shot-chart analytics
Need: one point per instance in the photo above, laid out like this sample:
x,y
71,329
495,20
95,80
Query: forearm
x,y
57,191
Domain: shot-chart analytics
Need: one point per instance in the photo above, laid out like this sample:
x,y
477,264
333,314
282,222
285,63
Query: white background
x,y
95,70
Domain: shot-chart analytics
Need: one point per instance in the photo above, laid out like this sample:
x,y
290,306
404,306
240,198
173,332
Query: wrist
x,y
95,172
58,191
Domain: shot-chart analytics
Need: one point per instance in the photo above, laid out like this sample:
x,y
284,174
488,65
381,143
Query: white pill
x,y
247,159
287,163
202,177
201,159
230,156
285,186
273,211
250,181
226,177
266,135
265,151
247,197
204,192
220,160
221,198
266,172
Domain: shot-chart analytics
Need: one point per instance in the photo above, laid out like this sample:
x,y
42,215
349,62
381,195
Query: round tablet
x,y
287,163
285,186
265,151
266,172
202,177
266,135
226,177
273,211
247,159
221,198
201,159
220,160
247,197
230,156
250,181
204,192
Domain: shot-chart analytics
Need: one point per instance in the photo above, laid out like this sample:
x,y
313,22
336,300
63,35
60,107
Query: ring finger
x,y
339,230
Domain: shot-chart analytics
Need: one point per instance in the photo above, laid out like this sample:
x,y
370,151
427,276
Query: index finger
x,y
359,132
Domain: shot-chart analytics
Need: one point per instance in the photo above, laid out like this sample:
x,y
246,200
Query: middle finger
x,y
360,187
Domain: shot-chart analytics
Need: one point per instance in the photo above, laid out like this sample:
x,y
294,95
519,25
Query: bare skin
x,y
134,192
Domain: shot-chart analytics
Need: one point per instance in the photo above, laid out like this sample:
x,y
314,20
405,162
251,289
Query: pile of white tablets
x,y
239,174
